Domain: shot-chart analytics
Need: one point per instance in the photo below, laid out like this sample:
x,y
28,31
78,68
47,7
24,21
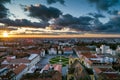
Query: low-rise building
x,y
106,73
105,49
20,71
52,51
49,72
67,50
34,59
30,61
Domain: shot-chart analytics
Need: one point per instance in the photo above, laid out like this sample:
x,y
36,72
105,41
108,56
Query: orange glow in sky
x,y
61,36
5,34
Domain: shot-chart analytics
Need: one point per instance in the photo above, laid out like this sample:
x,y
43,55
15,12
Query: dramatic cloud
x,y
80,27
42,12
107,28
115,20
100,4
4,1
97,15
66,20
22,22
3,9
54,22
113,12
54,1
26,30
112,26
104,4
81,23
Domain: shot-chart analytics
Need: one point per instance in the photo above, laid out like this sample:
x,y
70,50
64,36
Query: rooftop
x,y
19,69
18,61
56,67
89,55
104,70
32,56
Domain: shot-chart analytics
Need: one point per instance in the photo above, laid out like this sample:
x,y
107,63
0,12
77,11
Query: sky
x,y
58,17
71,7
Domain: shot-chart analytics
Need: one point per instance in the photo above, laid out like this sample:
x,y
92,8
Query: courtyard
x,y
55,59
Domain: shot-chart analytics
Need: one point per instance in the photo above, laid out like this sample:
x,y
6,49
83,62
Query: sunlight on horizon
x,y
5,34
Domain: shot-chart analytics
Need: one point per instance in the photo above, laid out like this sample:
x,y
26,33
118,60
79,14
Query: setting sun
x,y
5,34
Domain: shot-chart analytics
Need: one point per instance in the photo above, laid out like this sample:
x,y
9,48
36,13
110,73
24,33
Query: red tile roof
x,y
88,61
68,49
89,55
18,61
19,69
97,70
104,70
3,66
47,67
112,76
58,67
82,48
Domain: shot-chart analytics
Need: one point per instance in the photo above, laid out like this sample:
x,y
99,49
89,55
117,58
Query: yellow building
x,y
77,71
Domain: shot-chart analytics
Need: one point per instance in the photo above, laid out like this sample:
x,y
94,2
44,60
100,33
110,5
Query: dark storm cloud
x,y
66,20
107,28
80,27
97,15
104,4
54,1
3,9
81,23
85,20
4,1
112,26
113,12
115,20
22,22
43,12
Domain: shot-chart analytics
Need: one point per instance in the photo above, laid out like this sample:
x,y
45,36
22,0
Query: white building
x,y
60,52
98,50
34,59
110,51
42,53
52,51
104,48
32,69
118,49
64,44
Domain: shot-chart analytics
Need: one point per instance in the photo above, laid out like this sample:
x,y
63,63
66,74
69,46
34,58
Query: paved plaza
x,y
45,60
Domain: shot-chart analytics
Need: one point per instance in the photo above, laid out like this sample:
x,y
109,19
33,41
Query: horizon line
x,y
65,36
